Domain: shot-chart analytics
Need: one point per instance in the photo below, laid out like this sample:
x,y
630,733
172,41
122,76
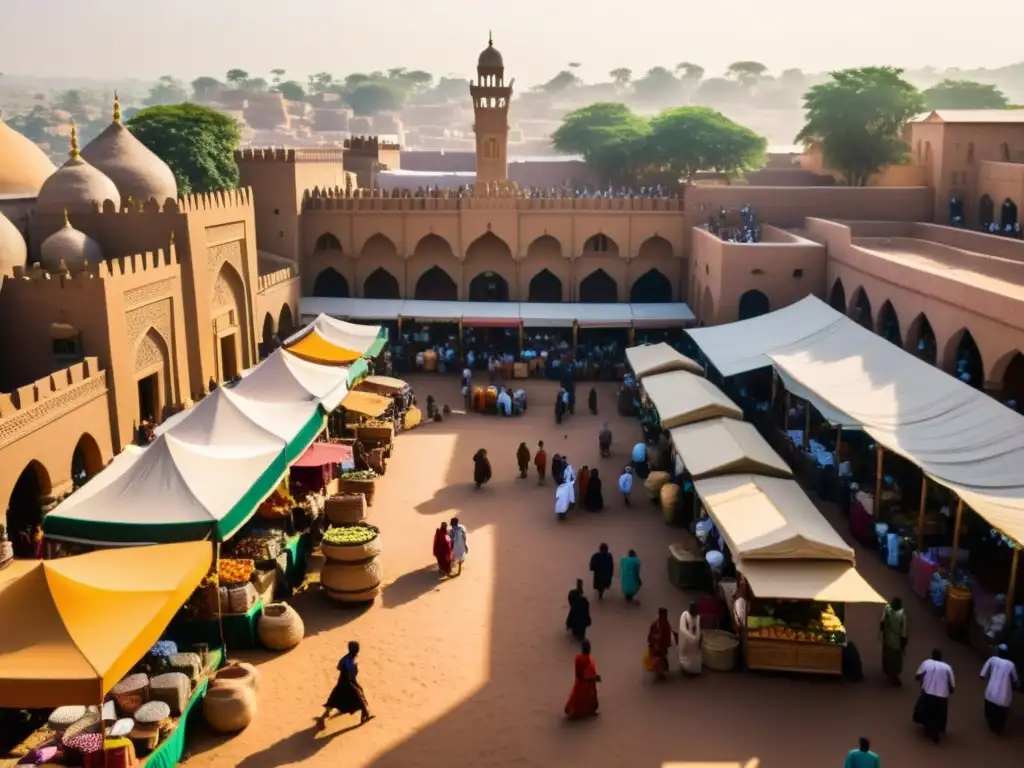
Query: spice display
x,y
86,743
232,571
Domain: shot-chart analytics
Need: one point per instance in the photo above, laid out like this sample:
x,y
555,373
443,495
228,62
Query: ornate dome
x,y
75,186
13,250
490,58
134,169
25,166
72,247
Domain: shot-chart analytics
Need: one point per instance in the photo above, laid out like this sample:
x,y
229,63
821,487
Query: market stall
x,y
683,398
651,359
318,468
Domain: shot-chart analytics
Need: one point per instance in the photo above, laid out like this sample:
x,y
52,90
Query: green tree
x,y
72,101
369,97
964,94
418,79
610,137
685,140
358,78
688,71
747,72
166,91
278,74
563,81
658,85
257,84
452,89
205,88
236,76
621,76
857,119
198,143
291,90
718,90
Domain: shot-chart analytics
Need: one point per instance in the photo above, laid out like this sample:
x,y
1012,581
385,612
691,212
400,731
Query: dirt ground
x,y
475,671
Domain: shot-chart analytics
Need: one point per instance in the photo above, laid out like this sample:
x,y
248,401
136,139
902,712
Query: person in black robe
x,y
602,565
557,468
481,468
579,613
593,501
592,401
347,696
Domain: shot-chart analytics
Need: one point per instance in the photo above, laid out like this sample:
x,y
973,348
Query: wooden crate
x,y
791,656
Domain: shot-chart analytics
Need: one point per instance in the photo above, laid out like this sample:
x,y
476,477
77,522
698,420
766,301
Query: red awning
x,y
322,454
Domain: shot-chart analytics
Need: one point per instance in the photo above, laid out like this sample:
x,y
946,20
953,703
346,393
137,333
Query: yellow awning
x,y
366,403
825,581
73,627
316,349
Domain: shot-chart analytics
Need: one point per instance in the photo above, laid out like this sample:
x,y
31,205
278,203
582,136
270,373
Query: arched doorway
x,y
326,242
153,376
545,286
1008,215
488,286
963,359
753,303
285,323
381,284
330,283
986,211
600,243
862,309
25,506
267,337
599,288
652,287
436,285
921,340
86,460
1013,382
837,299
889,324
707,308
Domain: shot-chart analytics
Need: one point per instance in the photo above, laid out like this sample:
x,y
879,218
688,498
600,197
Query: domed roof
x,y
490,57
137,172
75,186
25,166
13,250
72,247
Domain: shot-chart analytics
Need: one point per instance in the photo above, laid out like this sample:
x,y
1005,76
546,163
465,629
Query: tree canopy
x,y
611,139
371,96
562,81
198,143
166,91
236,76
205,88
657,84
621,76
857,119
964,94
746,71
291,90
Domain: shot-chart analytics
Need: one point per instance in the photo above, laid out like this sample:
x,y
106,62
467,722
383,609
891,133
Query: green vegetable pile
x,y
350,534
361,474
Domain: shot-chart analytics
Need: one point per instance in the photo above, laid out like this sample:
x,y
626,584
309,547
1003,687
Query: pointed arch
x,y
268,335
490,255
488,286
962,358
986,211
860,309
1009,372
436,285
655,247
600,243
652,287
598,288
331,283
25,504
920,340
285,322
837,297
326,242
86,459
545,287
753,303
1008,214
434,255
381,284
545,253
889,324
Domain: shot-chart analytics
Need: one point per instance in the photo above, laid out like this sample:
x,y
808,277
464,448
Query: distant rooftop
x,y
971,116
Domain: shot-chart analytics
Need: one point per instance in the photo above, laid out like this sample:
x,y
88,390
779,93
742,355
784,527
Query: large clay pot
x,y
345,509
669,496
352,553
230,708
365,487
352,582
653,484
280,627
237,673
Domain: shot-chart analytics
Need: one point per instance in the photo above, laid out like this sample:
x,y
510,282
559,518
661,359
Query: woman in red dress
x,y
583,699
659,640
443,550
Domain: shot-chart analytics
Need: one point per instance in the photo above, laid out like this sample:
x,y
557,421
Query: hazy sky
x,y
115,39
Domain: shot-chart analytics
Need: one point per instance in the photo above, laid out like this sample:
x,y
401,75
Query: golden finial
x,y
73,152
117,109
67,222
490,39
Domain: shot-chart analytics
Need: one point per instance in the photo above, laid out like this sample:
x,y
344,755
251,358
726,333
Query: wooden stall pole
x,y
520,338
807,424
877,501
631,333
399,322
220,608
785,414
839,443
920,512
1011,597
575,336
956,535
775,388
461,353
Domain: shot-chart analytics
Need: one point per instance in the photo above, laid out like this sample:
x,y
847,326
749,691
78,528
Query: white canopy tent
x,y
284,377
651,359
545,315
602,315
353,309
683,398
661,315
832,415
726,446
358,338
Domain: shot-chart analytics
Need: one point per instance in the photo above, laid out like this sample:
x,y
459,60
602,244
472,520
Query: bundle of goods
x,y
258,547
152,713
718,649
361,481
280,627
121,728
376,429
803,623
189,664
63,718
207,599
171,688
345,509
653,484
131,693
232,571
479,399
242,598
278,505
491,400
351,573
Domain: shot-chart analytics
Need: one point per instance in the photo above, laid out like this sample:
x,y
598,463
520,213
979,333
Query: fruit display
x,y
278,504
350,535
801,623
232,571
360,474
260,547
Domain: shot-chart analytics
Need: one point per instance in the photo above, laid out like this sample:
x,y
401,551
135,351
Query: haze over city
x,y
188,38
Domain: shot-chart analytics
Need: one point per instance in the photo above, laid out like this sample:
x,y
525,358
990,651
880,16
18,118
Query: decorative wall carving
x,y
149,354
222,294
147,293
231,253
223,233
51,409
156,316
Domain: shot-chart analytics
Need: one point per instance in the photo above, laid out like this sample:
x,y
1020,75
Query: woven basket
x,y
345,509
229,709
653,483
280,627
365,487
172,689
351,577
352,553
131,693
358,597
237,673
88,724
719,649
152,713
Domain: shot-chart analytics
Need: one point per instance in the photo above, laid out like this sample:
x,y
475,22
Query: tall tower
x,y
491,99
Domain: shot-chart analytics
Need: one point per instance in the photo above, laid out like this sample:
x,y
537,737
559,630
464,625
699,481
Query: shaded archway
x,y
600,243
381,284
707,308
652,287
326,242
1013,381
753,303
267,337
545,286
25,506
331,283
599,288
86,460
986,211
861,309
889,324
436,285
488,286
655,248
921,340
153,381
285,323
1008,214
837,299
963,359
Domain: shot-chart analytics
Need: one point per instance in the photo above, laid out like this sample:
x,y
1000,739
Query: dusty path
x,y
475,671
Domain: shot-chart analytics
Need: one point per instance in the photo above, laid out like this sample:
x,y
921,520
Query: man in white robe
x,y
563,494
460,545
691,660
569,477
1001,676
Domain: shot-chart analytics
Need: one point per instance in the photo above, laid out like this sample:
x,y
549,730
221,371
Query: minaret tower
x,y
491,99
